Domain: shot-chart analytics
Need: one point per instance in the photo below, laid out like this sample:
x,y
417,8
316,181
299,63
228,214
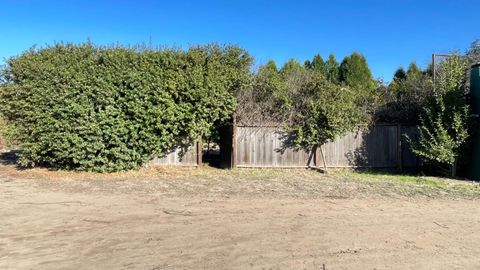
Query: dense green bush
x,y
444,124
113,108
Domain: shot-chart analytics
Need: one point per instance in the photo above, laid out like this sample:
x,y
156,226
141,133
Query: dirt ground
x,y
238,219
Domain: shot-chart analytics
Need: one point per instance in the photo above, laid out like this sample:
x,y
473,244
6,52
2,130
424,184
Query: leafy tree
x,y
355,73
86,107
444,125
324,111
332,67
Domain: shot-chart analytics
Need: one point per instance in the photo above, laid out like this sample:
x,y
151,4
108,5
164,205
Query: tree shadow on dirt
x,y
289,142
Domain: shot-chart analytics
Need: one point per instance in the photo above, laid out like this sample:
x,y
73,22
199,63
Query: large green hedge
x,y
97,108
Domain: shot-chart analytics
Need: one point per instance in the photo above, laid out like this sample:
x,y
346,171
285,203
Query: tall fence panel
x,y
382,146
377,147
268,147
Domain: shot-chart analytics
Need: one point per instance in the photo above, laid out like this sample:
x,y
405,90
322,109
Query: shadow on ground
x,y
9,158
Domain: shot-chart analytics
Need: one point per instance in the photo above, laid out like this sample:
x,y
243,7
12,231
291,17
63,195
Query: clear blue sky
x,y
388,33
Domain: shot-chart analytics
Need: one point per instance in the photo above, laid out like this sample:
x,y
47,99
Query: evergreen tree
x,y
399,75
318,65
332,69
307,64
429,71
354,72
413,70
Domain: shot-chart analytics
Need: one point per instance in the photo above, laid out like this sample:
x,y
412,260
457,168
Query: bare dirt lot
x,y
238,219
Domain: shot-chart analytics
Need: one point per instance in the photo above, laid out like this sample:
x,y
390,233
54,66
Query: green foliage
x,y
414,70
399,75
441,141
308,99
473,53
404,100
7,134
317,65
268,82
290,68
266,99
324,111
95,108
444,125
333,72
355,73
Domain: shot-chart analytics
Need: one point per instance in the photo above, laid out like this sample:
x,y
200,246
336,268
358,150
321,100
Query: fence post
x,y
199,151
234,142
399,148
316,152
324,161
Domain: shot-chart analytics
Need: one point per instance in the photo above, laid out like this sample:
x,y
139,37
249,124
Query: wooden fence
x,y
191,156
383,146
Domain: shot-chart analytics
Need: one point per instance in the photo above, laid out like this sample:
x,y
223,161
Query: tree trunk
x,y
454,169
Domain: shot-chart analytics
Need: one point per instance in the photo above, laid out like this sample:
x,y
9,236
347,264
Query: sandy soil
x,y
185,219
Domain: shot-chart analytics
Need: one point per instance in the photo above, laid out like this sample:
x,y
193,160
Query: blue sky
x,y
388,33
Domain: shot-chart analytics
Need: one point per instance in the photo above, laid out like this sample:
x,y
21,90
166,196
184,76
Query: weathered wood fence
x,y
382,146
189,156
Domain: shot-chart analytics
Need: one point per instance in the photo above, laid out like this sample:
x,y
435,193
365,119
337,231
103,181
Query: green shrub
x,y
96,108
444,125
